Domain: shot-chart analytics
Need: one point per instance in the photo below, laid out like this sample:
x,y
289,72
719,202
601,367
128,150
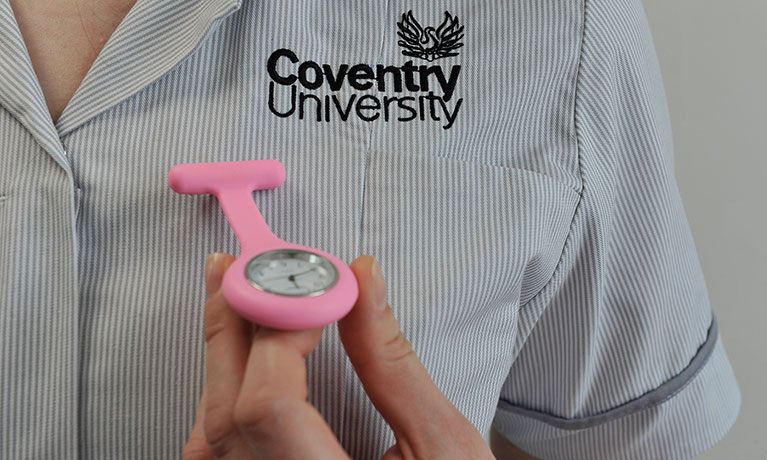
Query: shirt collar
x,y
153,38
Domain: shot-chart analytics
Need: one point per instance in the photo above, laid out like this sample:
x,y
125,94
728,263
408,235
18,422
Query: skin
x,y
505,450
254,404
63,39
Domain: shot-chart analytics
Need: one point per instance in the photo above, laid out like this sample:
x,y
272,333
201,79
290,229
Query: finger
x,y
227,338
393,453
272,411
391,373
215,268
196,447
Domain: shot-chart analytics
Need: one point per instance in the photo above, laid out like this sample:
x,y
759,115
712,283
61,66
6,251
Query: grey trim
x,y
650,399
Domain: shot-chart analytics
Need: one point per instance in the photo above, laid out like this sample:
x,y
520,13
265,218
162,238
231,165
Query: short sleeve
x,y
619,355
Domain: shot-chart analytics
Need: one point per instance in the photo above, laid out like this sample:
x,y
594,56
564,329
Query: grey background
x,y
714,67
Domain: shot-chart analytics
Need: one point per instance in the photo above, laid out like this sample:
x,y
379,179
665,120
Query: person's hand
x,y
254,404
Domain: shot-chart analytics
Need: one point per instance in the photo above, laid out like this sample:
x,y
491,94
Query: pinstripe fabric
x,y
529,226
627,309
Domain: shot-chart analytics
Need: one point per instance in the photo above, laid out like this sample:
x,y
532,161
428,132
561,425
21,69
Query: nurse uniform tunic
x,y
509,163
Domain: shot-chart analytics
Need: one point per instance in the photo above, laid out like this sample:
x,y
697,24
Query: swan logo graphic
x,y
429,43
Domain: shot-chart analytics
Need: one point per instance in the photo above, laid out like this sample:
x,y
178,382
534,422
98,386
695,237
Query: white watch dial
x,y
291,272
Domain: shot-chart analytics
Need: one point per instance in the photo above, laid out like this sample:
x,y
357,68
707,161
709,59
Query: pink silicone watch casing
x,y
233,183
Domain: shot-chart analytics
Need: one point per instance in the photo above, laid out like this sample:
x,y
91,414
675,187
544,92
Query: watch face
x,y
291,272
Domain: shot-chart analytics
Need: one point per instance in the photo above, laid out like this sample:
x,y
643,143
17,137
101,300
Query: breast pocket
x,y
462,245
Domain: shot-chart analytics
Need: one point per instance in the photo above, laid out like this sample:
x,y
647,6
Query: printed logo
x,y
323,92
428,43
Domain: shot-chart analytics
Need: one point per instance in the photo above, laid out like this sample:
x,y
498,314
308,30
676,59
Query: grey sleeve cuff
x,y
681,418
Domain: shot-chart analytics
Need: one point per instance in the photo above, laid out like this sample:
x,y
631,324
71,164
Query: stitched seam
x,y
642,402
345,401
579,149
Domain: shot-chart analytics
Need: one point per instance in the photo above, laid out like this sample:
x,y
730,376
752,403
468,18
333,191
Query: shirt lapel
x,y
153,38
20,92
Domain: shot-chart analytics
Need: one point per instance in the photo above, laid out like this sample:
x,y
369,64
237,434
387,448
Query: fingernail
x,y
379,286
211,261
210,264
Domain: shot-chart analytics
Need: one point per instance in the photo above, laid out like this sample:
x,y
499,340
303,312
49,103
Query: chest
x,y
458,173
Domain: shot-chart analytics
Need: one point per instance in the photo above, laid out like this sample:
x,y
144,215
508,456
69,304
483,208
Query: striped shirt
x,y
510,164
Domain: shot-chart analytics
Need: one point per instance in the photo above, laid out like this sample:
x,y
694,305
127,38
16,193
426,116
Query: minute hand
x,y
289,277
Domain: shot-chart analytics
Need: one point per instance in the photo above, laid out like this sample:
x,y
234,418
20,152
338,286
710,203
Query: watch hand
x,y
292,278
304,273
272,279
282,276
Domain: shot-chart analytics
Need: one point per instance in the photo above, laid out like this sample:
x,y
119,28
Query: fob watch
x,y
272,282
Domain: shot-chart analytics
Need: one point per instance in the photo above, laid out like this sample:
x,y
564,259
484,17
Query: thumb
x,y
391,373
215,267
